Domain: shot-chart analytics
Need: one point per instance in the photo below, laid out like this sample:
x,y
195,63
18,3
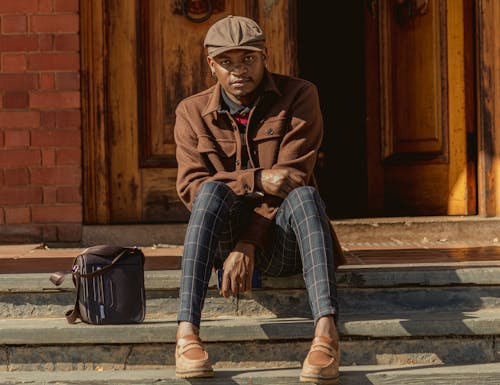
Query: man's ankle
x,y
325,327
185,328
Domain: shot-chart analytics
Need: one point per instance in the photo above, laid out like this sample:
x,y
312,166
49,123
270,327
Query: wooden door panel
x,y
173,65
419,185
413,103
416,114
159,196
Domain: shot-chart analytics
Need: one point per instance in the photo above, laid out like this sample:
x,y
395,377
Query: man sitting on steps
x,y
246,150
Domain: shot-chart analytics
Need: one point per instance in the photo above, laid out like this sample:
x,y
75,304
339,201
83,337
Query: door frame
x,y
93,32
488,106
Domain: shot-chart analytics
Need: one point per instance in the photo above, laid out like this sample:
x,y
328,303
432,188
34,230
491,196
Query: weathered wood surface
x,y
416,116
94,136
140,60
488,27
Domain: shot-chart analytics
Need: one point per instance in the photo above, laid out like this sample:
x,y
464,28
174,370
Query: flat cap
x,y
234,32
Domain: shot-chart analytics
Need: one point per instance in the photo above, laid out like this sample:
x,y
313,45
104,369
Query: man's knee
x,y
303,193
305,197
211,187
211,193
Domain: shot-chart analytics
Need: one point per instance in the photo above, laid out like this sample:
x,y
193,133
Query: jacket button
x,y
214,146
270,131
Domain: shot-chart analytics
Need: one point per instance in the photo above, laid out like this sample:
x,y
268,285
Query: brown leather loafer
x,y
191,359
321,365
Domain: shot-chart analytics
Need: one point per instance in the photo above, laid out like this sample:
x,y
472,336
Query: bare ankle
x,y
325,327
185,328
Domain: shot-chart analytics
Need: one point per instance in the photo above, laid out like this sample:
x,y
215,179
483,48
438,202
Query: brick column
x,y
40,121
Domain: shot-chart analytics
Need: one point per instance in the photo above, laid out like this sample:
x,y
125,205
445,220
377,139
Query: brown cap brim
x,y
214,51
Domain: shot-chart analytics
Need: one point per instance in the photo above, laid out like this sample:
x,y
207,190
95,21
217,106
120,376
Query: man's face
x,y
239,72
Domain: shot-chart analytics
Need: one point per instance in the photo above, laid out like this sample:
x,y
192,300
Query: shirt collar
x,y
226,104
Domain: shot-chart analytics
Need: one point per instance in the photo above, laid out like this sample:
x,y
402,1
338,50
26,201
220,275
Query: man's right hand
x,y
279,182
238,270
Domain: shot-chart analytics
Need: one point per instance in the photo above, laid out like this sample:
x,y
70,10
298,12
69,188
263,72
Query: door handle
x,y
408,10
201,19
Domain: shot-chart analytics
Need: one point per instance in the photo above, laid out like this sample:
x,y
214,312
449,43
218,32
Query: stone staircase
x,y
428,322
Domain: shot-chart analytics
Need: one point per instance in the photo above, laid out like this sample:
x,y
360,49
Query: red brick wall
x,y
40,121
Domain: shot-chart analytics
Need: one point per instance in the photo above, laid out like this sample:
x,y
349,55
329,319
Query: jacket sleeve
x,y
192,168
297,153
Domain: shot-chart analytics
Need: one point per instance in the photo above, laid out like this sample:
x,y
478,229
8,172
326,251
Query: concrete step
x,y
374,289
485,374
39,258
352,276
272,302
411,338
369,231
394,325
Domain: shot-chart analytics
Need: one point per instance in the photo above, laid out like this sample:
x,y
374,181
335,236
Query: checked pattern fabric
x,y
301,242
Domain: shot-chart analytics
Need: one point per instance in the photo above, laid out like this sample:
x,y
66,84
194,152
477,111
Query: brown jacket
x,y
285,130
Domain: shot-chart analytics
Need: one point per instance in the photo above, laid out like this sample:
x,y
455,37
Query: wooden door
x,y
140,58
420,107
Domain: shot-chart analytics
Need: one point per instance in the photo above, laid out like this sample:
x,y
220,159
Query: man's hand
x,y
238,270
279,182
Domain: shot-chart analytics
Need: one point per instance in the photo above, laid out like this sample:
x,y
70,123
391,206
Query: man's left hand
x,y
238,270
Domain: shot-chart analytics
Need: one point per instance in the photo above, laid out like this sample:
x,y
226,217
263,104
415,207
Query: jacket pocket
x,y
273,128
267,141
223,147
220,153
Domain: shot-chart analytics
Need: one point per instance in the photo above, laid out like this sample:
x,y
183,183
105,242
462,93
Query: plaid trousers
x,y
301,242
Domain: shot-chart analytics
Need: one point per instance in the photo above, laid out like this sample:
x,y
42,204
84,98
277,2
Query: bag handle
x,y
102,270
58,277
73,314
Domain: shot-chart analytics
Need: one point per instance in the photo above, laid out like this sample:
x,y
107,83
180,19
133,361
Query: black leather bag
x,y
109,283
